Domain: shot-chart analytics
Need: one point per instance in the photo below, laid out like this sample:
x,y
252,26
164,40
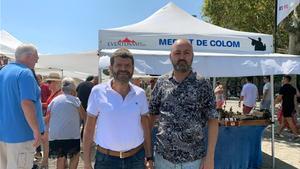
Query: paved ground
x,y
287,152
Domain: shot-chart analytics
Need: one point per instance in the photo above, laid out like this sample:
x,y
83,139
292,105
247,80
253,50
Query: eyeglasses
x,y
49,82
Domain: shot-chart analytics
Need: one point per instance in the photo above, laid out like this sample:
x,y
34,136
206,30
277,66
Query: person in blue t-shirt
x,y
21,122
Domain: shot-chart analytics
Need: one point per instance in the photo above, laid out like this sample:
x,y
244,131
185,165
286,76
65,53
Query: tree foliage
x,y
249,16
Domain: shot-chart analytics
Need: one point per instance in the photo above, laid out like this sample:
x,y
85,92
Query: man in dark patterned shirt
x,y
184,105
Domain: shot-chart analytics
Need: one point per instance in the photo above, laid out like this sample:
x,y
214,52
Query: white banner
x,y
209,43
284,8
217,64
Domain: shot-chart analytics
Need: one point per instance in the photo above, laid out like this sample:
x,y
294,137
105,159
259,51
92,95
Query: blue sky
x,y
67,26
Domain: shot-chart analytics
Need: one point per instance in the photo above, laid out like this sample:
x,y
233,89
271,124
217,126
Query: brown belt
x,y
120,154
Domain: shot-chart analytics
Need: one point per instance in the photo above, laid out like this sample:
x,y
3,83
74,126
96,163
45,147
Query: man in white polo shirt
x,y
119,109
249,95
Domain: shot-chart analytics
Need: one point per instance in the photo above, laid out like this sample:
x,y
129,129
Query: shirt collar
x,y
20,64
191,76
131,87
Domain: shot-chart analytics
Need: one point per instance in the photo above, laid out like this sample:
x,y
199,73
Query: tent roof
x,y
78,65
160,30
181,22
8,43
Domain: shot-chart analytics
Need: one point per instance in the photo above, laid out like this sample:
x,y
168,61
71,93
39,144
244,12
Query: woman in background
x,y
64,128
219,94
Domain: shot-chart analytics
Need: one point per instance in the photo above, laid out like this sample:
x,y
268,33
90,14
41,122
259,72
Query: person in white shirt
x,y
119,109
249,95
266,97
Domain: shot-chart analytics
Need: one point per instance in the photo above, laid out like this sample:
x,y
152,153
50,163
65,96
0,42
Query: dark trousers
x,y
38,149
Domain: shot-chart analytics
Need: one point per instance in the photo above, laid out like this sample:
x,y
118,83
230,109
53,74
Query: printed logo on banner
x,y
126,42
204,43
283,7
258,44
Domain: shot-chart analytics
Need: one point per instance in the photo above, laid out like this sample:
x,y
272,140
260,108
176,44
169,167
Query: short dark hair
x,y
287,77
218,83
123,53
89,78
249,78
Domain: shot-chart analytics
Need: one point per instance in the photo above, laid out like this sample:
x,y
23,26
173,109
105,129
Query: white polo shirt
x,y
118,124
249,92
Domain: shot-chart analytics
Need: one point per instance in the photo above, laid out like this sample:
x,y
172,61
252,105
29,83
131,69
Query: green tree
x,y
254,16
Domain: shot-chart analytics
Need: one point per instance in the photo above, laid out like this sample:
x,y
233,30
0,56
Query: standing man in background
x,y
265,103
83,92
287,97
21,118
249,95
84,89
184,104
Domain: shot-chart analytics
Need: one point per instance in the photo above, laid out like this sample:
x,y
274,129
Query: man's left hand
x,y
207,163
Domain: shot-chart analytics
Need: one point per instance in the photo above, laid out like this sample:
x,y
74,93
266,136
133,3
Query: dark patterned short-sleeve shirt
x,y
184,110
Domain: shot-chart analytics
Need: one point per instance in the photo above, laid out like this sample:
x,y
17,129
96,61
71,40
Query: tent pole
x,y
273,121
275,28
214,83
99,69
100,75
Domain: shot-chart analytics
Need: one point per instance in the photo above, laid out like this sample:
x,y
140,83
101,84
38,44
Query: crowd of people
x,y
288,98
117,117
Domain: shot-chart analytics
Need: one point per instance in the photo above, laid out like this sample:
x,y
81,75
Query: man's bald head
x,y
182,55
182,42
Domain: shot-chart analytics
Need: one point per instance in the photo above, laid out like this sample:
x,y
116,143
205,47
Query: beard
x,y
182,66
122,76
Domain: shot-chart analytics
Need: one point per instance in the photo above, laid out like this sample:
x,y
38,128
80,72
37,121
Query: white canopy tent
x,y
78,65
169,23
8,43
229,53
219,52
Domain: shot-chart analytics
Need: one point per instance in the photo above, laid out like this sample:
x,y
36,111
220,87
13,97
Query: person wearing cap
x,y
66,112
21,118
54,83
119,109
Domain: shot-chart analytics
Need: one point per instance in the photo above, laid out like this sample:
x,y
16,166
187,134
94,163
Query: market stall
x,y
239,147
219,52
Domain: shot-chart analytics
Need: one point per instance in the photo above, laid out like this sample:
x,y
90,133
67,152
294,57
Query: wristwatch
x,y
149,158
